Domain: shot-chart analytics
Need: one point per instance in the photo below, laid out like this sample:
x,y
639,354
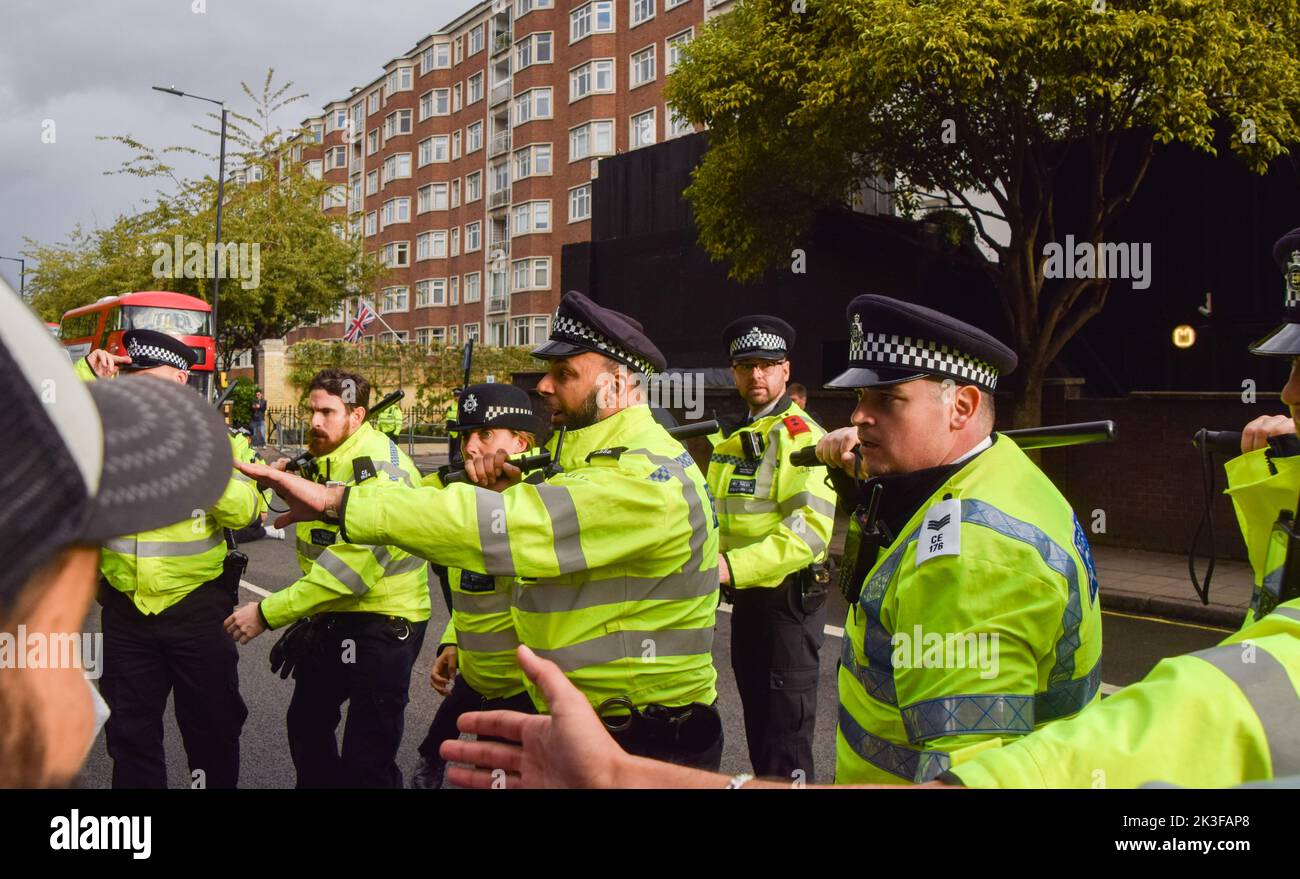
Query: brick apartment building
x,y
468,164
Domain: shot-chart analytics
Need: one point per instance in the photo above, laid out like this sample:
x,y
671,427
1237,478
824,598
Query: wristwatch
x,y
331,512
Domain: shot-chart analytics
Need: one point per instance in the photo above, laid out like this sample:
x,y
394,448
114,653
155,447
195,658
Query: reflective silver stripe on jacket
x,y
549,596
631,645
487,642
1268,688
494,533
161,549
480,603
566,533
910,764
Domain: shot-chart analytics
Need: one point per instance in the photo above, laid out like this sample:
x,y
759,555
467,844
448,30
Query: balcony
x,y
499,94
500,43
499,199
499,144
498,304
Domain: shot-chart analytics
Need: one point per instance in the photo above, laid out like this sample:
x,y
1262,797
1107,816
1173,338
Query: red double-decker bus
x,y
101,324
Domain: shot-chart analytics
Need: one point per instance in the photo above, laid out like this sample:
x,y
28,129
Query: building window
x,y
474,86
532,274
455,97
335,197
580,203
315,132
591,78
313,167
473,237
372,102
643,66
397,254
455,145
397,167
394,299
532,216
471,332
431,197
533,104
455,241
453,335
431,245
397,210
453,291
523,7
431,293
673,4
372,142
642,11
473,286
592,139
460,46
474,137
473,186
530,330
431,337
476,40
372,182
677,125
336,157
435,57
673,47
532,160
594,18
533,49
455,193
397,122
399,80
643,129
372,223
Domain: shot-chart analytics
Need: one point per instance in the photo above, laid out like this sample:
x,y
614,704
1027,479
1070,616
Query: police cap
x,y
758,337
493,406
891,341
582,325
1285,340
150,348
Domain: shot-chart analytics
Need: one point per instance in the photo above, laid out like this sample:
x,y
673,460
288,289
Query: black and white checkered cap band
x,y
497,411
567,329
878,349
1292,289
152,352
757,340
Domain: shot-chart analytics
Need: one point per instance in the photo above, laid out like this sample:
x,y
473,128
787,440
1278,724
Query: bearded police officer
x,y
476,668
978,617
364,607
615,555
1265,479
774,523
164,594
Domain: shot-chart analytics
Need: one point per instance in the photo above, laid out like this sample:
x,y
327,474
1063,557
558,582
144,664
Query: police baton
x,y
386,402
542,459
1047,437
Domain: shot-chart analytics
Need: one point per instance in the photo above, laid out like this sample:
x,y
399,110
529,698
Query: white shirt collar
x,y
754,416
987,442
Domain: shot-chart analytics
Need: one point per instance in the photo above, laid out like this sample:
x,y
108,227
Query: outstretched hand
x,y
307,500
568,748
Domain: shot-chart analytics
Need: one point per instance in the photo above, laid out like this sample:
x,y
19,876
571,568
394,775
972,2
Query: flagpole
x,y
380,318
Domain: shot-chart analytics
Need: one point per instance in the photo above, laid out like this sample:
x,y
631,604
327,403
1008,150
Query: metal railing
x,y
501,42
498,94
500,198
499,144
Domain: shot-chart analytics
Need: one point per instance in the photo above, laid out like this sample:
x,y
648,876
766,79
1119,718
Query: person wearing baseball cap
x,y
774,525
87,463
165,592
975,547
1264,479
476,667
615,554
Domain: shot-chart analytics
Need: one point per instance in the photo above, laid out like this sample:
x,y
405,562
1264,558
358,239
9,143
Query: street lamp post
x,y
221,191
22,275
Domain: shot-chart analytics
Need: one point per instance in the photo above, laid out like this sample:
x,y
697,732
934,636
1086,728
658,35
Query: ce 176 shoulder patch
x,y
796,425
940,532
362,469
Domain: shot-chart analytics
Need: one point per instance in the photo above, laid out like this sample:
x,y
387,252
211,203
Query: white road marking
x,y
257,590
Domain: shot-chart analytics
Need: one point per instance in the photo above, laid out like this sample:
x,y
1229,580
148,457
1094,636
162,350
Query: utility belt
x,y
808,587
689,728
299,643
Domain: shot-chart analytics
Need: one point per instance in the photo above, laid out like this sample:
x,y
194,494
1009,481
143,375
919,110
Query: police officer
x,y
476,668
389,421
366,607
1265,478
615,555
978,617
774,523
164,594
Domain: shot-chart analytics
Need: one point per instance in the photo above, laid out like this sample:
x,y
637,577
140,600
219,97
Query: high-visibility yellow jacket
x,y
160,567
1261,486
482,629
615,558
340,576
1215,718
991,631
773,518
390,419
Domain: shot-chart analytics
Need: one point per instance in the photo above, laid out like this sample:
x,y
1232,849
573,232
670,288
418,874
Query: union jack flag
x,y
365,317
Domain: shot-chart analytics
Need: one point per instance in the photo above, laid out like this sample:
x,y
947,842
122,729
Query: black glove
x,y
292,648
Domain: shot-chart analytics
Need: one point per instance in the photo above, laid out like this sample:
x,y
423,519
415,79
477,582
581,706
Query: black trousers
x,y
774,646
183,651
696,742
465,698
364,659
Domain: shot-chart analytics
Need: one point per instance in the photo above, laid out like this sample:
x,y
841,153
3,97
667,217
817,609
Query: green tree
x,y
806,100
306,262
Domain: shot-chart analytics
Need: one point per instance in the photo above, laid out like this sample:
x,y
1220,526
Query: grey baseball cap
x,y
87,461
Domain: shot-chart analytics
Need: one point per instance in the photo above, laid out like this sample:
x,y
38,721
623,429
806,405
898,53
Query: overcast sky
x,y
88,65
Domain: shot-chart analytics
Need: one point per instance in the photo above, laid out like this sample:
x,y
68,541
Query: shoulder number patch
x,y
796,425
940,533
